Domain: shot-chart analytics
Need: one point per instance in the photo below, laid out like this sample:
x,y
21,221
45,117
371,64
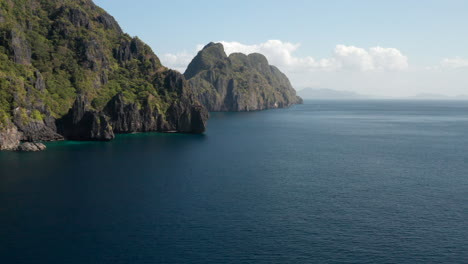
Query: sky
x,y
382,48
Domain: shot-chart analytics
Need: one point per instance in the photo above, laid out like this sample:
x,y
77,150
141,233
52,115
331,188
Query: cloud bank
x,y
454,63
378,71
344,57
282,54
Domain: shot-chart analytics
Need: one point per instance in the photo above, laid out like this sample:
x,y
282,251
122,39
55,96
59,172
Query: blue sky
x,y
425,32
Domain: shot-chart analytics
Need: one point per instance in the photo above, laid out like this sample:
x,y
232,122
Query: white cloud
x,y
389,59
376,59
344,57
276,51
379,71
454,63
178,61
350,57
282,54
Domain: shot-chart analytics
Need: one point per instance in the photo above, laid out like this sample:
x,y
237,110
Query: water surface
x,y
323,182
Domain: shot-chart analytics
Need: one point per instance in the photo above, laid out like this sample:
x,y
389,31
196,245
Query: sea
x,y
324,182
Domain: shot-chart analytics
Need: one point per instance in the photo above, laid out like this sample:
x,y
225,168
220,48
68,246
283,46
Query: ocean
x,y
322,182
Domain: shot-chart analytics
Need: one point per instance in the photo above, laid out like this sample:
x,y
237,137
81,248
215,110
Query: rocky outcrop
x,y
10,137
187,120
134,49
93,56
238,82
81,123
109,22
15,44
120,116
42,129
21,48
75,15
128,117
31,147
39,84
211,55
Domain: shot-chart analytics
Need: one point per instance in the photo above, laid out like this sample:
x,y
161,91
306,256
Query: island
x,y
238,82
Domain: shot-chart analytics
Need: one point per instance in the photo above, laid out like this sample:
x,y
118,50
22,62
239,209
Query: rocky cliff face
x,y
83,123
238,82
67,71
10,137
180,116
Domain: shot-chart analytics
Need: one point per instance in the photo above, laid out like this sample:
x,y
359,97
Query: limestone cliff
x,y
238,82
10,137
67,71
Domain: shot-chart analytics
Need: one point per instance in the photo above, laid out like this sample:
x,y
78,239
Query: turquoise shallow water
x,y
323,182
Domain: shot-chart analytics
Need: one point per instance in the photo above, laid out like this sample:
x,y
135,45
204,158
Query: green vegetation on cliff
x,y
52,51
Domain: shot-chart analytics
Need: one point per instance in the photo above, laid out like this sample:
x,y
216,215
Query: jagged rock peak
x,y
209,56
239,82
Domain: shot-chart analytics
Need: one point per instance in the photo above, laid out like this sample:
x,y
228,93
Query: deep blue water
x,y
323,182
